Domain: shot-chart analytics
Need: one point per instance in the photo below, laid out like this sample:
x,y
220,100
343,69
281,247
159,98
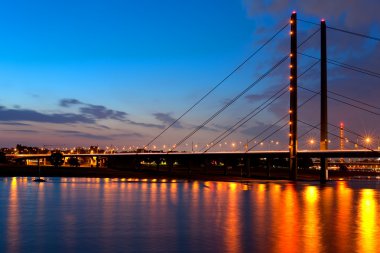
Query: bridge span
x,y
247,160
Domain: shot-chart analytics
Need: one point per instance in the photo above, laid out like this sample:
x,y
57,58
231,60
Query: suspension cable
x,y
347,66
252,114
343,30
341,101
286,115
231,102
220,83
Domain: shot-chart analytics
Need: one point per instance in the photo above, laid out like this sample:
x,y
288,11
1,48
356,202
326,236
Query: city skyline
x,y
117,73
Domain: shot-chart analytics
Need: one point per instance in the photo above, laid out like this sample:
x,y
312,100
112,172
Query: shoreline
x,y
200,174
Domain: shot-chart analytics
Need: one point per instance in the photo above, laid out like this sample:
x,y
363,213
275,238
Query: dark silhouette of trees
x,y
56,159
73,161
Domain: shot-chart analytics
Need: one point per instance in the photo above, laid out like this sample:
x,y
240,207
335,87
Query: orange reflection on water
x,y
311,227
285,215
233,222
368,218
13,219
344,218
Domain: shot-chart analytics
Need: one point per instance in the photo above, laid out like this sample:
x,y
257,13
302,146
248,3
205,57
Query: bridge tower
x,y
324,119
341,136
293,98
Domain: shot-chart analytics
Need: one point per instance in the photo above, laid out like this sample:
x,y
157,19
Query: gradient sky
x,y
117,72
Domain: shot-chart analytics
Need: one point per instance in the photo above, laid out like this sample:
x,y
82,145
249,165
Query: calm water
x,y
101,215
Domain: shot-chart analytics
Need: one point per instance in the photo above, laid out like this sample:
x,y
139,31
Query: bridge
x,y
291,118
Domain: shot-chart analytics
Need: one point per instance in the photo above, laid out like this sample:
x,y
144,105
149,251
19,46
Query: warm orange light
x,y
290,66
291,32
290,122
290,88
290,77
291,55
290,111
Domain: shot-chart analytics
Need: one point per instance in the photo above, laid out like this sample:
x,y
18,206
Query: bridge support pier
x,y
324,170
269,165
138,164
248,166
170,164
189,165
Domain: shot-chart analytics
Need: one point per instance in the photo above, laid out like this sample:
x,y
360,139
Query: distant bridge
x,y
220,155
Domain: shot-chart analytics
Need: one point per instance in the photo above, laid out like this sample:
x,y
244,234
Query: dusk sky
x,y
118,72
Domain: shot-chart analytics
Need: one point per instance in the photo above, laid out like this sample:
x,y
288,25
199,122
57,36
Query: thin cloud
x,y
83,135
148,125
166,118
20,130
97,112
14,124
128,135
69,102
101,112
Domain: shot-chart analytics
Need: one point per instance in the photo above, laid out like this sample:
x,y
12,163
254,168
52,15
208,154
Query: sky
x,y
117,73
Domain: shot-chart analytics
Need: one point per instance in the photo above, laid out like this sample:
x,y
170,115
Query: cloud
x,y
101,112
20,130
97,127
97,112
268,93
128,135
220,126
89,114
99,137
14,124
166,118
148,125
83,135
349,13
69,102
34,116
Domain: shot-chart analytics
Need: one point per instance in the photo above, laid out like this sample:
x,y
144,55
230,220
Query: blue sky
x,y
118,72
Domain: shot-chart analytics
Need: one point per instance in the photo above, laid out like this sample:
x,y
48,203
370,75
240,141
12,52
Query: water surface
x,y
104,215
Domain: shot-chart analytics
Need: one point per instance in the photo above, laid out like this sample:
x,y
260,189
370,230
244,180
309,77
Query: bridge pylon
x,y
293,161
324,119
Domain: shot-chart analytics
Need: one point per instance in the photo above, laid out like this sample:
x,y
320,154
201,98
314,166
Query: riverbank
x,y
203,174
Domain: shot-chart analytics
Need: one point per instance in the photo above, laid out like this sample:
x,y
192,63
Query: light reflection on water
x,y
104,215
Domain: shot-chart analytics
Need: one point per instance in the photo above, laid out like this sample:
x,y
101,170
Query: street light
x,y
311,142
368,141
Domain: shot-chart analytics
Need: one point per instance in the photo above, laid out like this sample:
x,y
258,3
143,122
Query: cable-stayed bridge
x,y
290,120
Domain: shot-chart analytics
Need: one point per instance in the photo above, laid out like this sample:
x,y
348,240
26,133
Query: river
x,y
127,215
